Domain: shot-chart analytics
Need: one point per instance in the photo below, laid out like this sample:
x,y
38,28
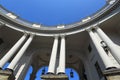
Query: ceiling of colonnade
x,y
53,12
42,58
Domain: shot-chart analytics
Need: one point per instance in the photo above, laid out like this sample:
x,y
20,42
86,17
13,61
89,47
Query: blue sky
x,y
27,77
53,12
46,68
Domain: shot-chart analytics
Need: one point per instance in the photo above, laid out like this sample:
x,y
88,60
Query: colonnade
x,y
22,44
26,39
20,53
108,63
112,47
62,57
12,51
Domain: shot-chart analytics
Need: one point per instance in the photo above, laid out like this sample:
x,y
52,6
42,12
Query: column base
x,y
6,75
112,74
54,77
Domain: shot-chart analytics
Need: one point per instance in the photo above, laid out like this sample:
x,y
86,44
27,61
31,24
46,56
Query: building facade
x,y
91,47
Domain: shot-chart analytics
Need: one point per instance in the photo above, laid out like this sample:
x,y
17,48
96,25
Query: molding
x,y
21,25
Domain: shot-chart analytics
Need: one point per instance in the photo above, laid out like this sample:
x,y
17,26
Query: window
x,y
1,41
89,48
99,71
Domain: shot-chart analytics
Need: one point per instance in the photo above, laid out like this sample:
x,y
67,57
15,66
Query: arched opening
x,y
44,69
30,70
72,74
6,65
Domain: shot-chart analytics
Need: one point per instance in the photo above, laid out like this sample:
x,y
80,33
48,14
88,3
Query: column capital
x,y
89,29
56,37
92,27
32,34
96,27
29,33
1,24
62,36
25,34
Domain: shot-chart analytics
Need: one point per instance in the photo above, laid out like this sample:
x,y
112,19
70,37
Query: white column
x,y
22,68
12,51
61,67
115,49
51,68
20,53
106,60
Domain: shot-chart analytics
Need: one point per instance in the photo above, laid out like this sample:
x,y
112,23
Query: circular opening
x,y
53,12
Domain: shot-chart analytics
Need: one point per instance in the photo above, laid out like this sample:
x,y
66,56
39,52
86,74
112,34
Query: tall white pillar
x,y
20,53
51,68
12,51
106,60
61,67
115,49
22,68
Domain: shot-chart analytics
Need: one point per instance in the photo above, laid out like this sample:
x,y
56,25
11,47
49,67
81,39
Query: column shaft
x,y
12,51
22,68
61,67
115,49
20,53
106,60
51,68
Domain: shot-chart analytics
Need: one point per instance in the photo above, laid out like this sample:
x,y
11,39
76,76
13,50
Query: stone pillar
x,y
6,75
106,60
61,67
12,51
113,74
115,49
51,68
22,68
20,53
